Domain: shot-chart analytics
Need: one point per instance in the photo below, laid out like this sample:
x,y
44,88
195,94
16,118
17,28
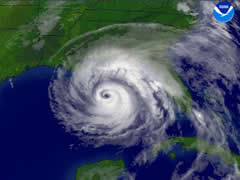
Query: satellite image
x,y
119,90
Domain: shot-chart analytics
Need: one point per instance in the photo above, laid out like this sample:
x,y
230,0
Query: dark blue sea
x,y
32,144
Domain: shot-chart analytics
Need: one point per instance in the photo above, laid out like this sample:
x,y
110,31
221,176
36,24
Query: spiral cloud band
x,y
106,97
114,94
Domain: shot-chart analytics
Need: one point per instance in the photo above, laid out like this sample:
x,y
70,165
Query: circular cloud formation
x,y
109,97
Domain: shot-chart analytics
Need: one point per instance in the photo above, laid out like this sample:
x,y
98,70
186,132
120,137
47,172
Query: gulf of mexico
x,y
32,143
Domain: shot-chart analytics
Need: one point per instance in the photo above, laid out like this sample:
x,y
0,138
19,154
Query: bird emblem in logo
x,y
223,12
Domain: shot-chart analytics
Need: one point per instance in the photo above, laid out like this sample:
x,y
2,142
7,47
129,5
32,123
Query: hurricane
x,y
115,91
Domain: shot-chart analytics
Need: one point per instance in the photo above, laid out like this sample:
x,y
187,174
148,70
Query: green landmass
x,y
184,102
103,170
193,143
28,40
172,155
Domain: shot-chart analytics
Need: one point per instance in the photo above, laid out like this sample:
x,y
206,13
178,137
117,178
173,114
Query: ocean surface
x,y
33,144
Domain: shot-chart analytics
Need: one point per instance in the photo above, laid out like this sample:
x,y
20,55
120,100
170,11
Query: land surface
x,y
102,170
194,143
32,31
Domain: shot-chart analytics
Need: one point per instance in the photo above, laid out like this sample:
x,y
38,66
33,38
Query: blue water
x,y
33,145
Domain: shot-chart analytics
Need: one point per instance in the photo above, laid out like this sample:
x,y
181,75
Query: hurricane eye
x,y
105,95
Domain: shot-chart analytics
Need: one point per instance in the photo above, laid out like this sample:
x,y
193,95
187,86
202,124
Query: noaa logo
x,y
223,12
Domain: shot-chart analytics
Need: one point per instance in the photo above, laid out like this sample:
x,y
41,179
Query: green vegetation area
x,y
193,143
172,155
32,31
103,170
184,102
